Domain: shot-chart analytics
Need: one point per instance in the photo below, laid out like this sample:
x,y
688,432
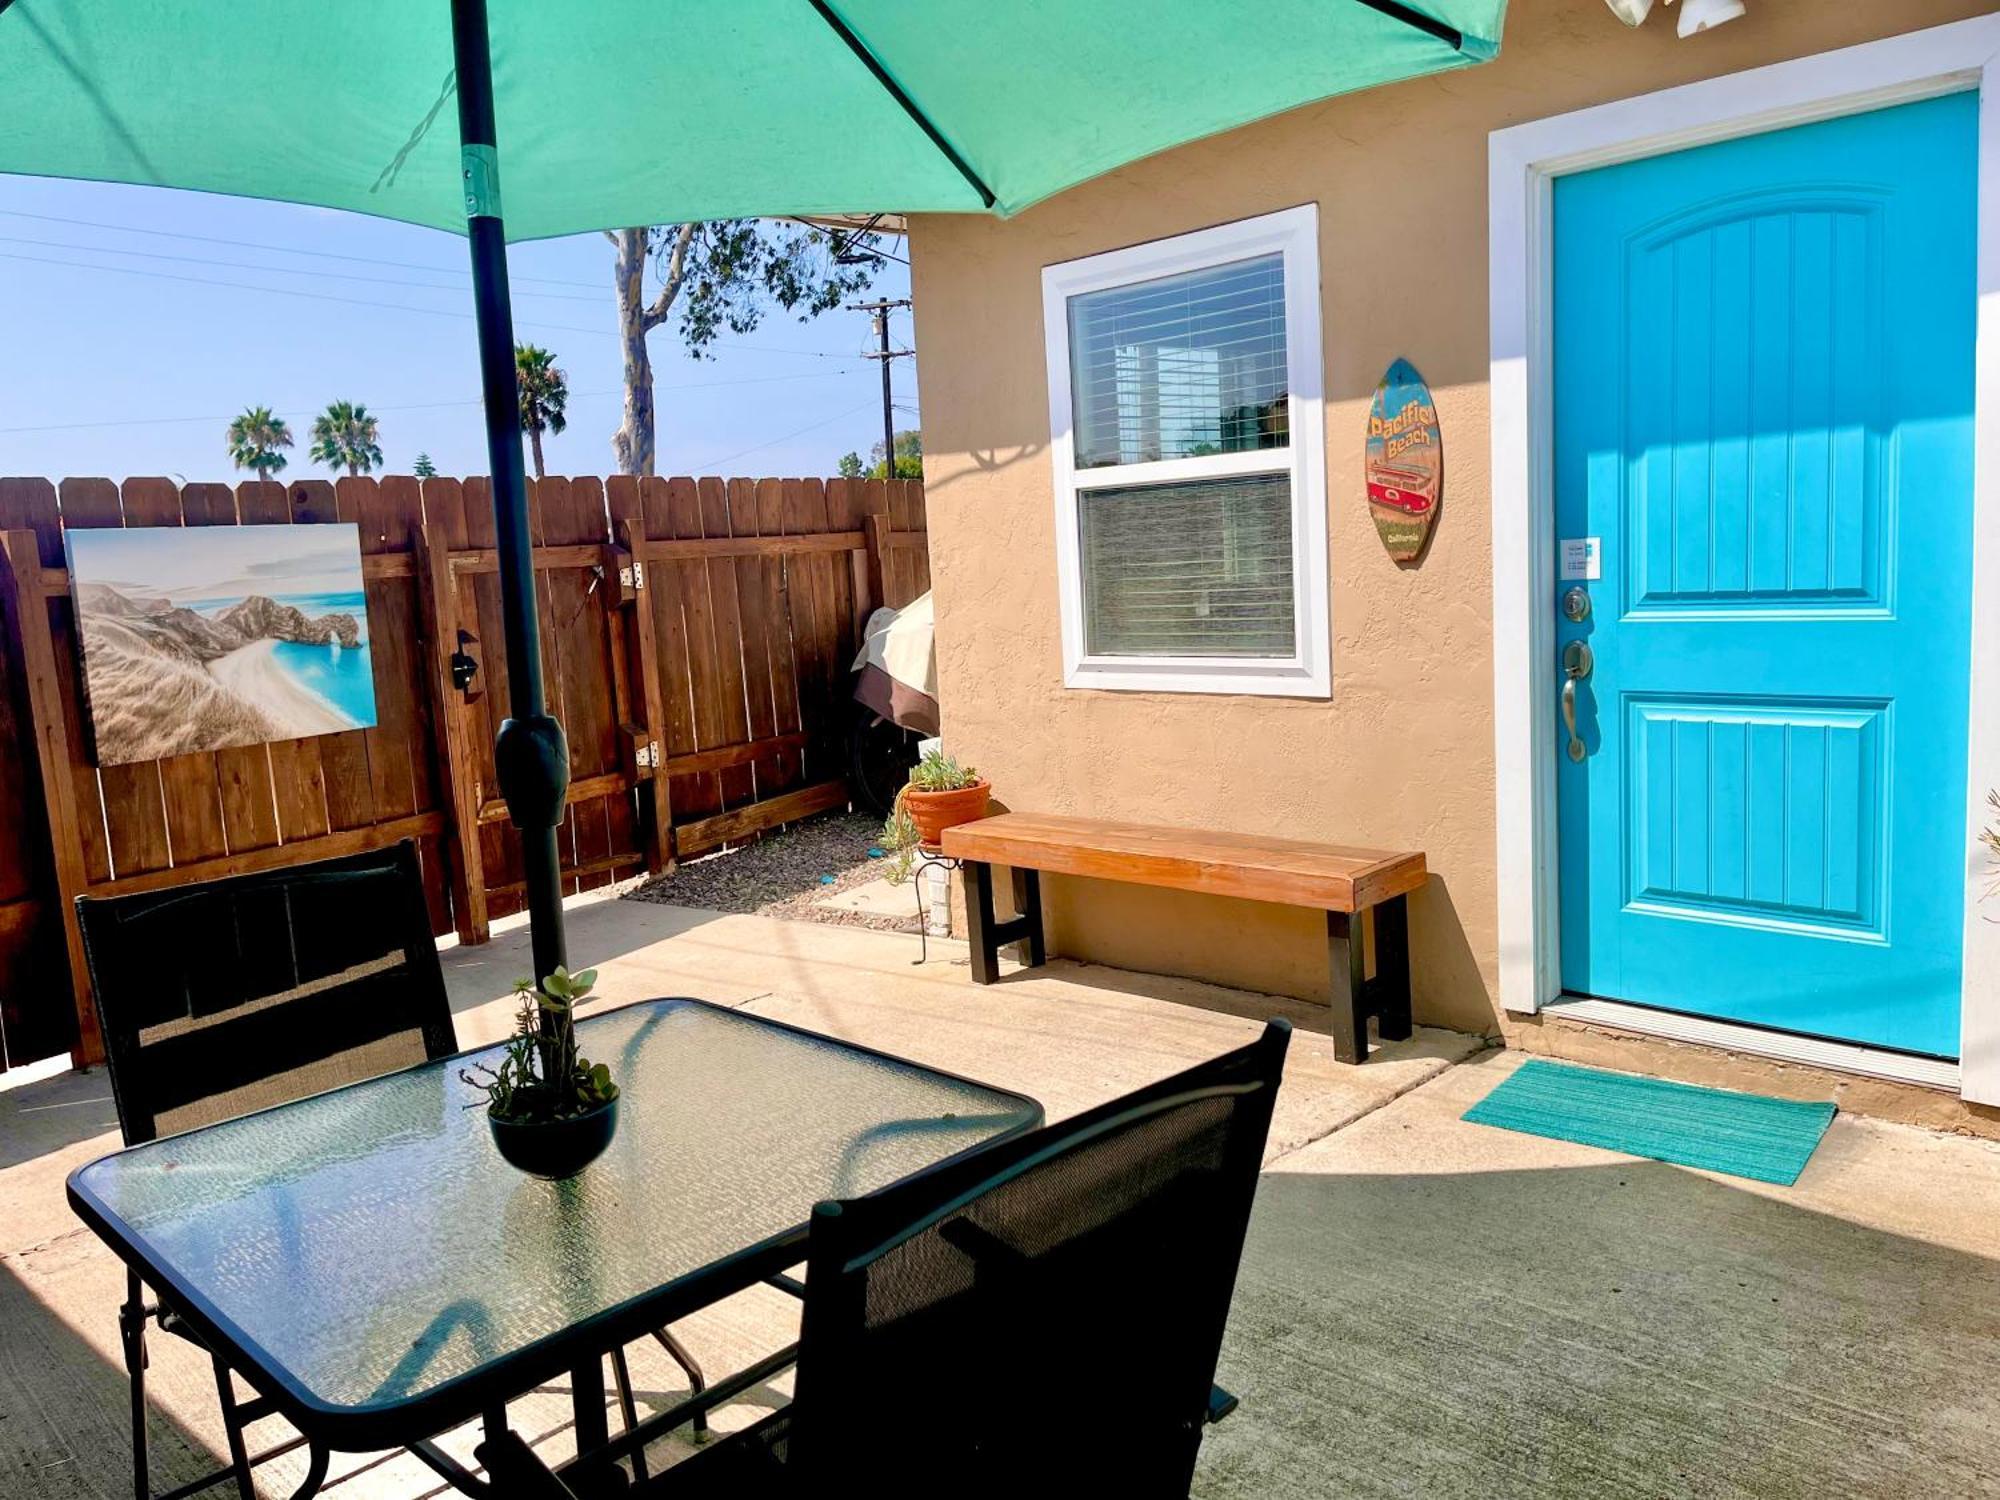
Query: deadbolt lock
x,y
1576,604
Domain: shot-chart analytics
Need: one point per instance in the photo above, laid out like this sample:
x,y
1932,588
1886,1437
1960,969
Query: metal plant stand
x,y
927,860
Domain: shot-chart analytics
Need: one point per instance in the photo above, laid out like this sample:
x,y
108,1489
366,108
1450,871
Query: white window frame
x,y
1308,672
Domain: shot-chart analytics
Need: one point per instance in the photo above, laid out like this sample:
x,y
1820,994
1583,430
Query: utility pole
x,y
880,312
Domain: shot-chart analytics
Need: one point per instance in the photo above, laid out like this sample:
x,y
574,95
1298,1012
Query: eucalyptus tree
x,y
723,275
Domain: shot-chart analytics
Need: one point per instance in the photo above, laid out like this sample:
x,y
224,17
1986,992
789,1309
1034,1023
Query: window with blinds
x,y
1183,367
1201,569
1190,474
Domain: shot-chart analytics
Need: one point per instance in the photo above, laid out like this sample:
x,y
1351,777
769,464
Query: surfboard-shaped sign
x,y
1405,461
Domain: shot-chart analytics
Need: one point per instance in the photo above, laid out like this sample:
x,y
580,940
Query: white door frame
x,y
1522,165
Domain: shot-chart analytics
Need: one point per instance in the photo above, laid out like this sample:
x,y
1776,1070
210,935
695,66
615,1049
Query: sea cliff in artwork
x,y
211,659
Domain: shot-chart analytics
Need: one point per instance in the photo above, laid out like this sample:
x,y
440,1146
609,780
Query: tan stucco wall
x,y
1402,755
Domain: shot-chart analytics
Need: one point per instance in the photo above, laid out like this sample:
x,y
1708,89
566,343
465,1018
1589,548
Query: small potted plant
x,y
940,794
551,1110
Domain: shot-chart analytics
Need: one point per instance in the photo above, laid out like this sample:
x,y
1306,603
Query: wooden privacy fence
x,y
696,639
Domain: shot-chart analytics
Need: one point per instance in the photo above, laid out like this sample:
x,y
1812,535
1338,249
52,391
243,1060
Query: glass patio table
x,y
366,1259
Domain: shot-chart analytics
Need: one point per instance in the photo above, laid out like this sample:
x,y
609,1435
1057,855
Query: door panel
x,y
1764,814
1760,479
1763,399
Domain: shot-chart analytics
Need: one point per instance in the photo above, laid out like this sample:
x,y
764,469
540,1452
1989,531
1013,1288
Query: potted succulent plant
x,y
552,1111
940,794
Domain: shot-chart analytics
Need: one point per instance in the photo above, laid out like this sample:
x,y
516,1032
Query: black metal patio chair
x,y
237,994
1043,1317
234,995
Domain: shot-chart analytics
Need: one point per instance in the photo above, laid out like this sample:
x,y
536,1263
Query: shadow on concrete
x,y
65,1432
1249,1005
1446,986
1632,1330
40,1118
598,930
1625,1329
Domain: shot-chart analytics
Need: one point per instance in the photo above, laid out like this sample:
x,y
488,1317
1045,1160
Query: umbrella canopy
x,y
624,112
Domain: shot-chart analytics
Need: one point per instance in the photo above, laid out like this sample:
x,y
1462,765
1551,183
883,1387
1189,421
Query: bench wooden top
x,y
1293,872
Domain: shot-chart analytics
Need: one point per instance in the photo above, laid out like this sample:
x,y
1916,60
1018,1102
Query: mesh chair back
x,y
1044,1317
237,994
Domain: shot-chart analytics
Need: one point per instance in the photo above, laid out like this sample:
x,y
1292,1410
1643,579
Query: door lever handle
x,y
1577,664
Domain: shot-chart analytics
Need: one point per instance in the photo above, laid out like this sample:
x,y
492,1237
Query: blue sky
x,y
135,322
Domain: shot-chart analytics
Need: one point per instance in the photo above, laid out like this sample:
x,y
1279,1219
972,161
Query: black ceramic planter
x,y
558,1149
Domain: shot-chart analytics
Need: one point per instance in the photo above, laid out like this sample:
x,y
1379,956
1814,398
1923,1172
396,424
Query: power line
x,y
402,307
846,241
701,385
251,265
370,260
716,463
236,244
279,291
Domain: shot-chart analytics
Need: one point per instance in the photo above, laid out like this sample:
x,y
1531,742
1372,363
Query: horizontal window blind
x,y
1201,568
1181,366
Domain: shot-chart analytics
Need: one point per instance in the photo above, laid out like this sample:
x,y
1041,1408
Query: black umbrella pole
x,y
531,757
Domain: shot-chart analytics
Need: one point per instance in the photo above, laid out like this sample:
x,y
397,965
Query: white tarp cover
x,y
899,641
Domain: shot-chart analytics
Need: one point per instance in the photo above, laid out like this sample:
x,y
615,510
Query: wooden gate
x,y
696,638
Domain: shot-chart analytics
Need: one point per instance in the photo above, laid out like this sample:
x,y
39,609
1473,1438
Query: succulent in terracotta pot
x,y
940,794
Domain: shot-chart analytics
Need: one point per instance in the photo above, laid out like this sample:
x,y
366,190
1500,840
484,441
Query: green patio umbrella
x,y
628,112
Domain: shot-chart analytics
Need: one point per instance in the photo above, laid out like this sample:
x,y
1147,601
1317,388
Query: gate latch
x,y
463,667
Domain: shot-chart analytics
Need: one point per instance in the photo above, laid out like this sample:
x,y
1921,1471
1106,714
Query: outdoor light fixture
x,y
1699,15
1696,15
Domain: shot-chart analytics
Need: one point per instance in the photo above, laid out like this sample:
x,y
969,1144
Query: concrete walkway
x,y
1426,1307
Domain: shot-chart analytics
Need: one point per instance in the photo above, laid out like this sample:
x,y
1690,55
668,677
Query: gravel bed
x,y
783,874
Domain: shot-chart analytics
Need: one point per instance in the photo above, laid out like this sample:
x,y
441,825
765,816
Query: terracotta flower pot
x,y
934,812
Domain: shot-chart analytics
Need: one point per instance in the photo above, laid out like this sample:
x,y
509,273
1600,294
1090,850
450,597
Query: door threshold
x,y
1817,1052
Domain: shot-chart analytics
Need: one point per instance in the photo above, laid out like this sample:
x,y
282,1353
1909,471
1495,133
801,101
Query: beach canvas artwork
x,y
206,637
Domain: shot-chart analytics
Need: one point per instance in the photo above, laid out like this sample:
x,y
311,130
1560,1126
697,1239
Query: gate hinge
x,y
647,756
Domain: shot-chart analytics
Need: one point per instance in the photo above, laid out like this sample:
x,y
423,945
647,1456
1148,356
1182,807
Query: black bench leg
x,y
987,934
1392,969
979,922
1028,901
1349,988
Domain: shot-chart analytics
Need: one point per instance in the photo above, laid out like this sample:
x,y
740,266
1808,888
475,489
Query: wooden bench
x,y
1341,882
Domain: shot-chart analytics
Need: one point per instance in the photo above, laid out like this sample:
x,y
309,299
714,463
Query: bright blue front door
x,y
1763,414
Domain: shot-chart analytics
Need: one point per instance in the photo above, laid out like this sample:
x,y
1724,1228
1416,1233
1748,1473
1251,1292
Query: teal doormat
x,y
1746,1135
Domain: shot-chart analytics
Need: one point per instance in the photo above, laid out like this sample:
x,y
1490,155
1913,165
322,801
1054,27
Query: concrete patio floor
x,y
1426,1307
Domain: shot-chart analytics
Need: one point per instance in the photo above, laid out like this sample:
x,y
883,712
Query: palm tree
x,y
255,439
544,395
344,438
